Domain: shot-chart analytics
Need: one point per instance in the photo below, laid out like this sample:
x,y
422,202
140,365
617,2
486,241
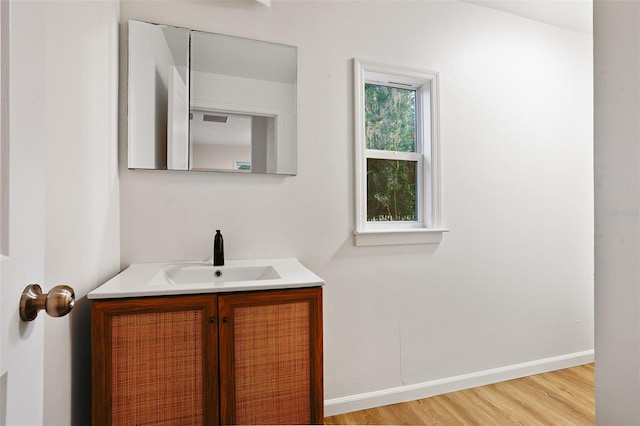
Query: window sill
x,y
384,237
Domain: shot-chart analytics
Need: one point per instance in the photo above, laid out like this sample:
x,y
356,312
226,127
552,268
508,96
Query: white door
x,y
22,67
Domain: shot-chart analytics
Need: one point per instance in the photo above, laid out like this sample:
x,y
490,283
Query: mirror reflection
x,y
223,141
158,96
233,109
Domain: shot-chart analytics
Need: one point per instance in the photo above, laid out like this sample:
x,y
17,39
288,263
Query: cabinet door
x,y
154,361
271,357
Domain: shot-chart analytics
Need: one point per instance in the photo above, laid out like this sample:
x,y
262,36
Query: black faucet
x,y
218,249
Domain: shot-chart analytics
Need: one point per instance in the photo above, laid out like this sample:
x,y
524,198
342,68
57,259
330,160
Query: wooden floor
x,y
564,397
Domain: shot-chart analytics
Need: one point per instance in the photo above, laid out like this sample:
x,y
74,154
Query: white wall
x,y
617,209
508,291
207,156
82,240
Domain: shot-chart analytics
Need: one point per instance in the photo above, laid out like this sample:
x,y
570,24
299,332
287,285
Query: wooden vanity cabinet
x,y
230,358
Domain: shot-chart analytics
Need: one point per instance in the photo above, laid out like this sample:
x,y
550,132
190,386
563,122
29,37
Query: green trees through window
x,y
390,118
391,190
390,125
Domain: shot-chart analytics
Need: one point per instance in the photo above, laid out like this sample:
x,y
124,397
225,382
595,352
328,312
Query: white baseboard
x,y
363,401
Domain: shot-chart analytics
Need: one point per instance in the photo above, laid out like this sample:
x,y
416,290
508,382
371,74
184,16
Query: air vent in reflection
x,y
215,118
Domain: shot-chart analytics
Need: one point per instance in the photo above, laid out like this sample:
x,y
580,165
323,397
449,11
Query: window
x,y
397,174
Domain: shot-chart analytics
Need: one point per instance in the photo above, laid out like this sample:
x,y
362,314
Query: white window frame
x,y
427,228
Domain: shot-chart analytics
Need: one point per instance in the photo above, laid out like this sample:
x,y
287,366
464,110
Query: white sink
x,y
208,274
175,278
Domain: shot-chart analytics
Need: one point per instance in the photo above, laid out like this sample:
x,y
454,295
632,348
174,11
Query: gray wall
x,y
617,209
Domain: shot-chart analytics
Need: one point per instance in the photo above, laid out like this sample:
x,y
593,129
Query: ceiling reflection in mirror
x,y
232,109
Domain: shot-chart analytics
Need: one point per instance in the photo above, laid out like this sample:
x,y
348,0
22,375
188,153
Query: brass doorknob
x,y
58,302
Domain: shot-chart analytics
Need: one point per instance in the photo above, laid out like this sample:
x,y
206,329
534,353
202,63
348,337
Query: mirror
x,y
210,102
158,78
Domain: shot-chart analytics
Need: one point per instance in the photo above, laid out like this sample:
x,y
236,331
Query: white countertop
x,y
150,279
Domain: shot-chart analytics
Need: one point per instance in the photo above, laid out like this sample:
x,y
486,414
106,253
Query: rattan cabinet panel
x,y
154,361
245,358
271,357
